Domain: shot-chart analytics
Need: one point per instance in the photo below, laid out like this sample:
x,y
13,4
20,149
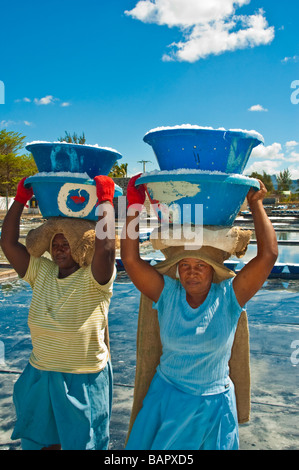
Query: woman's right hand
x,y
23,194
135,194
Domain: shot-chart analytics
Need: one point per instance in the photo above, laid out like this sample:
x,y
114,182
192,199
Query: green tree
x,y
73,139
284,180
13,167
119,171
266,179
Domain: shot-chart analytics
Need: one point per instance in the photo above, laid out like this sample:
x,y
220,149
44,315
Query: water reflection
x,y
286,254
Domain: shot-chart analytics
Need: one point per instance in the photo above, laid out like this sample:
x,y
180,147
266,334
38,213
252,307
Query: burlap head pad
x,y
80,233
232,240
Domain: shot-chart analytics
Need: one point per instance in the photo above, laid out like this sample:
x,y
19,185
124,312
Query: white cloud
x,y
270,152
272,159
268,166
49,99
292,143
25,100
183,13
293,158
257,108
14,123
294,172
269,158
44,101
295,58
7,123
208,26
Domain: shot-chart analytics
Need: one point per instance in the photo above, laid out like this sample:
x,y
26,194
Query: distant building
x,y
269,201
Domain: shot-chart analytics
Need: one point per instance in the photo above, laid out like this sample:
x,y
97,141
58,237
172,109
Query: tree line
x,y
284,181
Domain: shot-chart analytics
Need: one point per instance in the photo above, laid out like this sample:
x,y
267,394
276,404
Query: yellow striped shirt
x,y
67,318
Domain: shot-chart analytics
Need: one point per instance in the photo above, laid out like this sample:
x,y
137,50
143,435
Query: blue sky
x,y
116,69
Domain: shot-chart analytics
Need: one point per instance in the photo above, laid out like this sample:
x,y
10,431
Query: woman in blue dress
x,y
191,404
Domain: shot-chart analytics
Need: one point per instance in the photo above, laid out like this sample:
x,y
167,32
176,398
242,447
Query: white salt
x,y
64,174
69,143
251,133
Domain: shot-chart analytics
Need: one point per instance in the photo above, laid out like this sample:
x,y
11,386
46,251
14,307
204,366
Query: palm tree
x,y
119,171
284,180
266,179
74,139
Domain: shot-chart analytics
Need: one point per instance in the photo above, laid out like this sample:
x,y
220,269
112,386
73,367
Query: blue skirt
x,y
173,420
72,410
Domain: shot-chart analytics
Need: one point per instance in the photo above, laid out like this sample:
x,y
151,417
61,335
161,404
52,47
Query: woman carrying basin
x,y
190,404
63,398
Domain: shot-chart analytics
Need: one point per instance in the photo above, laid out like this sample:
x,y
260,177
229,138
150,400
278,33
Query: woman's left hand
x,y
254,195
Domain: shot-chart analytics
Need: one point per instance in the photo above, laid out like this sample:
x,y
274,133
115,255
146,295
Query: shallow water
x,y
273,316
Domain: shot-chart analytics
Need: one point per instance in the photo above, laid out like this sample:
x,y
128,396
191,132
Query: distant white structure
x,y
5,203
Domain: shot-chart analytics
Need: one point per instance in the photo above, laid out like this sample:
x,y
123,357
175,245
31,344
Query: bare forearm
x,y
144,276
265,233
15,252
11,225
104,255
130,238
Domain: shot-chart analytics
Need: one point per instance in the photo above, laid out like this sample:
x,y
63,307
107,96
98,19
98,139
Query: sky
x,y
119,68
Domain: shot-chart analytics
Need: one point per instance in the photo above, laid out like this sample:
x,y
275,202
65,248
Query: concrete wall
x,y
121,211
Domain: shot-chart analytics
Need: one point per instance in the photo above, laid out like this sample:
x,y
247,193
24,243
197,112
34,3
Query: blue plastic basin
x,y
219,196
293,268
75,158
60,196
202,149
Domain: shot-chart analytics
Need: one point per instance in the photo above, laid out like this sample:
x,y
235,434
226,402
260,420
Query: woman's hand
x,y
23,194
254,195
135,194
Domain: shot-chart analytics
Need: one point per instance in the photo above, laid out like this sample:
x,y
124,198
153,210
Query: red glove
x,y
23,194
135,194
105,188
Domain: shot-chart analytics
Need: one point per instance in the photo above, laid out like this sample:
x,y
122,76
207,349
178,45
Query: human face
x,y
196,276
61,254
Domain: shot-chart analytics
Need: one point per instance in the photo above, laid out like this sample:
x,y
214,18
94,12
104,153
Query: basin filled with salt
x,y
66,194
76,158
202,148
196,197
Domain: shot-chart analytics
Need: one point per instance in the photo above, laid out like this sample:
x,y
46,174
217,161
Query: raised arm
x,y
251,278
144,276
15,252
103,261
